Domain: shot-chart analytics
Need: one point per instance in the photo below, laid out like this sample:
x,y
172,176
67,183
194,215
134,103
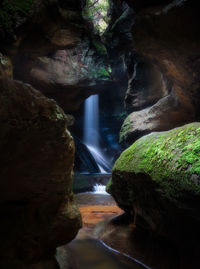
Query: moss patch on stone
x,y
99,46
171,158
124,130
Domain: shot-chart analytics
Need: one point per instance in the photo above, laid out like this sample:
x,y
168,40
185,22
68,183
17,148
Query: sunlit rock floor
x,y
86,251
104,222
95,208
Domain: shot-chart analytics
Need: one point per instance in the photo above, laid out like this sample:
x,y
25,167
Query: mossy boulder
x,y
157,179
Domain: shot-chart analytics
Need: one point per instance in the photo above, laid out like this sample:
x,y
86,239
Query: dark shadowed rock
x,y
146,84
163,68
172,110
53,51
84,161
156,180
6,68
36,201
69,75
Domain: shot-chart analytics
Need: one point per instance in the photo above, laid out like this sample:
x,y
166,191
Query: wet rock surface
x,y
120,233
50,46
87,251
156,181
96,208
84,161
36,205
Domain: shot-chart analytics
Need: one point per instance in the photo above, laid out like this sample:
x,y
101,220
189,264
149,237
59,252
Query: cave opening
x,y
97,12
99,134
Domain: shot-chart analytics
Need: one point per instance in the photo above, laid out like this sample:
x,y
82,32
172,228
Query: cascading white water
x,y
100,189
91,121
91,132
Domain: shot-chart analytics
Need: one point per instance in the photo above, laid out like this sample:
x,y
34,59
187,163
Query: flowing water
x,y
91,121
91,132
87,252
92,254
100,189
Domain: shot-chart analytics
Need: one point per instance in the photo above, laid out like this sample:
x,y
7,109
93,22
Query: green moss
x,y
120,116
100,48
170,158
124,130
108,185
13,13
103,73
3,60
100,74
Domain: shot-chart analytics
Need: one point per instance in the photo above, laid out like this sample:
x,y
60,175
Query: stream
x,y
86,251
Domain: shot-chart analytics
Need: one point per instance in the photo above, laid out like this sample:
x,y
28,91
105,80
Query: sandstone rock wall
x,y
37,209
163,68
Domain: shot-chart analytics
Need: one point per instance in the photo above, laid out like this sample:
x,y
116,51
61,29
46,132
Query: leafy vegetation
x,y
101,73
3,60
100,48
120,116
96,11
13,13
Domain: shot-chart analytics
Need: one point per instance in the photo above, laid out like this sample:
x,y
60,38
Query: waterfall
x,y
91,121
100,189
91,132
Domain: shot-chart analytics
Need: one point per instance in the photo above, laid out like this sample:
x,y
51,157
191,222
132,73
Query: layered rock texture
x,y
52,49
36,201
156,180
48,44
37,207
163,68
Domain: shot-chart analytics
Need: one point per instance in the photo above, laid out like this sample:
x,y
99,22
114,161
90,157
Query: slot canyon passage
x,y
99,134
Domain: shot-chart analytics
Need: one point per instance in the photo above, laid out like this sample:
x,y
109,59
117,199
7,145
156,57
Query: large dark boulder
x,y
157,181
172,110
37,207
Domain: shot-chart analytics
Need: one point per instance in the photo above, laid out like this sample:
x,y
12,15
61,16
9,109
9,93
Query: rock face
x,y
163,68
56,54
172,110
6,68
36,201
84,161
146,86
69,76
157,181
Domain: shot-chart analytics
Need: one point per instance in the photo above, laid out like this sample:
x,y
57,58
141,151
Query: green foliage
x,y
170,158
3,60
96,11
100,74
13,13
120,116
125,129
100,48
103,73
